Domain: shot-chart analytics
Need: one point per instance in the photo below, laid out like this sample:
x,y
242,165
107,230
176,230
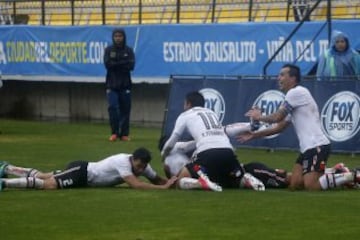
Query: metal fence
x,y
128,12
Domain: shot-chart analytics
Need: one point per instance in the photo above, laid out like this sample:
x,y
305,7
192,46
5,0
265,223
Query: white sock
x,y
20,171
332,180
232,130
189,183
24,182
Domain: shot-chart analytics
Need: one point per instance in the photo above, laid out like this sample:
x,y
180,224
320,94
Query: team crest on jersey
x,y
269,102
340,116
214,101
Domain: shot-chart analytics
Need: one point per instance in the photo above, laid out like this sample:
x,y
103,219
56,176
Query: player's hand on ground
x,y
170,182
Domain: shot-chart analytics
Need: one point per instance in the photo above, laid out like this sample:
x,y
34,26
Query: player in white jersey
x,y
300,108
181,153
214,160
111,171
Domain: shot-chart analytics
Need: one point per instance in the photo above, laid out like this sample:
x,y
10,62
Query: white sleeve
x,y
179,128
184,147
149,172
296,97
124,168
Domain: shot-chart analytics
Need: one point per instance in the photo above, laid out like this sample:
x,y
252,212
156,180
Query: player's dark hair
x,y
195,99
143,154
294,71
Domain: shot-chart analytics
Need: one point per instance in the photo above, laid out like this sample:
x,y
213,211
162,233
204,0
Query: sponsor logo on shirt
x,y
214,101
340,116
269,102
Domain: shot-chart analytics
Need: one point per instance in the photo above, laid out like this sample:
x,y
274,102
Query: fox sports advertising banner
x,y
230,98
75,53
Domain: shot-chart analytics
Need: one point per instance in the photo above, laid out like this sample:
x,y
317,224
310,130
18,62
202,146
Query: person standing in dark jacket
x,y
119,60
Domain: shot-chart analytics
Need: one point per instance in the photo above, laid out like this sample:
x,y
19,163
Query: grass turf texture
x,y
123,213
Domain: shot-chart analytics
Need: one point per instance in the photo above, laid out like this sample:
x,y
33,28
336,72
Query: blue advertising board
x,y
75,53
230,98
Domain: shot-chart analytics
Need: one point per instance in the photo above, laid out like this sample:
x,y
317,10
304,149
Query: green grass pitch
x,y
123,213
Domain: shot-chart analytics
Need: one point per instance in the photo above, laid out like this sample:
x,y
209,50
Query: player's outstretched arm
x,y
276,128
158,180
275,117
136,183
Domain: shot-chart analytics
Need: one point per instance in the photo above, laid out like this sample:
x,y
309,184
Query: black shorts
x,y
314,159
74,175
220,165
271,178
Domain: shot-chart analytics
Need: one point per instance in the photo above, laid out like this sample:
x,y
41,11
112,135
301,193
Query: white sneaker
x,y
209,185
251,182
205,181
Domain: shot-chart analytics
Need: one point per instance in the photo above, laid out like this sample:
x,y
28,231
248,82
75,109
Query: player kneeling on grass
x,y
111,171
334,177
301,110
215,165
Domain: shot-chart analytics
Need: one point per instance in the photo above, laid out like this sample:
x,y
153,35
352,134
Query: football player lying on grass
x,y
111,171
280,178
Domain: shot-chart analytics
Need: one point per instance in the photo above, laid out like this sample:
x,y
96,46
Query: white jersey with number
x,y
305,117
111,171
203,125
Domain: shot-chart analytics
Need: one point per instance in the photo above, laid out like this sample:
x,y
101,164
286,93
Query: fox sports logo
x,y
269,102
214,101
340,116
